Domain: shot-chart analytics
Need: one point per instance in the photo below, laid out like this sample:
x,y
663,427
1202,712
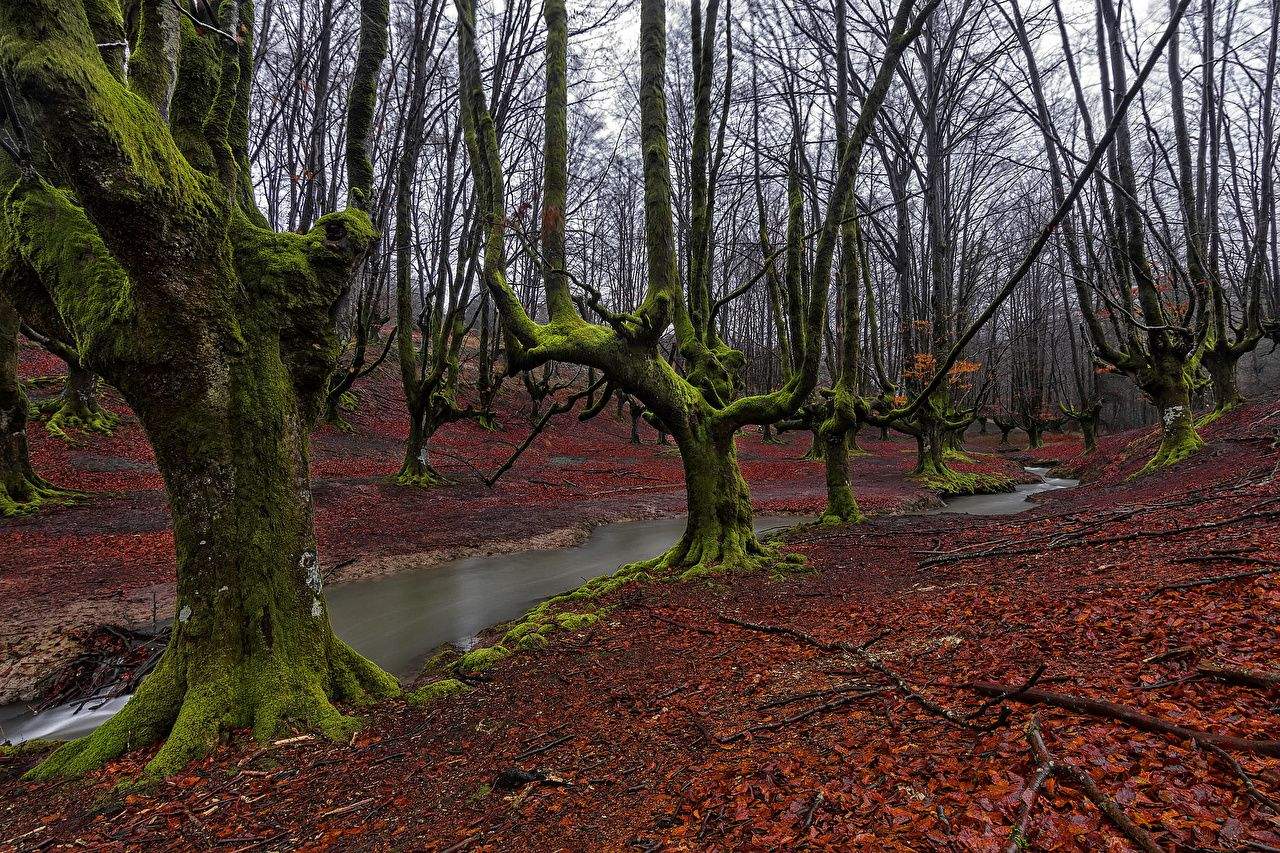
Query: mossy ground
x,y
948,483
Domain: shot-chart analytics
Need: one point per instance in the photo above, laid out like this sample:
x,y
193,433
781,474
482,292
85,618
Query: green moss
x,y
72,416
576,621
948,483
27,747
481,660
533,642
952,455
1210,417
90,289
436,690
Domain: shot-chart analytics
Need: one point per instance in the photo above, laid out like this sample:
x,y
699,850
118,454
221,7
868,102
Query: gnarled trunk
x,y
719,535
1170,391
251,645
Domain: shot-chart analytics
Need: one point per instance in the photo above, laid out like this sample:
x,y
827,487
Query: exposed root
x,y
842,515
422,479
190,713
30,496
73,415
703,553
1172,452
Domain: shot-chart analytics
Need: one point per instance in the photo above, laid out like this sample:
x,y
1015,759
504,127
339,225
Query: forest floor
x,y
109,560
830,710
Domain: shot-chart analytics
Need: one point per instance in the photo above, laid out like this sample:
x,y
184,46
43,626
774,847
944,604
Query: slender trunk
x,y
1089,429
842,506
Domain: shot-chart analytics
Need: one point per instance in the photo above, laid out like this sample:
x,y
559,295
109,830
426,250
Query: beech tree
x,y
144,239
700,406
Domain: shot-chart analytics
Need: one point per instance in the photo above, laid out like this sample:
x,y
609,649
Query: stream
x,y
399,620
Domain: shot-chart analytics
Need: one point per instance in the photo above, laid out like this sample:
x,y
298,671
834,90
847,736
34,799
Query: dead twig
x,y
1256,573
860,652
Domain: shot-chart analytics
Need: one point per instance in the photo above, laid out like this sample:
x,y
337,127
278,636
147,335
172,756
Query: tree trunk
x,y
1171,394
251,645
1221,363
417,469
1089,429
842,506
1035,436
78,407
21,490
719,535
817,446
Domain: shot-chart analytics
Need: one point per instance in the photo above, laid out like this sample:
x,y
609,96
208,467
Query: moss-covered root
x,y
191,716
1173,451
949,483
31,496
73,415
702,553
842,513
421,478
436,690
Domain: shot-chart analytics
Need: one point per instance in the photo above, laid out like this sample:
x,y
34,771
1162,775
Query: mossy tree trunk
x,y
78,407
1170,392
1220,360
252,646
219,334
22,491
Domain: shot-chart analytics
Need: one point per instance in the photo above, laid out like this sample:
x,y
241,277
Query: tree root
x,y
71,416
701,554
428,479
190,702
31,496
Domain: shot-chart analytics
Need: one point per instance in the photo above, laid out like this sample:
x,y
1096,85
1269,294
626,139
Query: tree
x,y
22,491
699,407
218,331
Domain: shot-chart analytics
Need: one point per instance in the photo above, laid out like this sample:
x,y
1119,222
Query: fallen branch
x,y
1082,780
1250,789
797,717
1044,769
1137,719
1247,677
529,753
865,657
1256,573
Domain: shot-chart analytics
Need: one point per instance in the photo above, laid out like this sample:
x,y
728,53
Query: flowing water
x,y
1007,503
399,620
